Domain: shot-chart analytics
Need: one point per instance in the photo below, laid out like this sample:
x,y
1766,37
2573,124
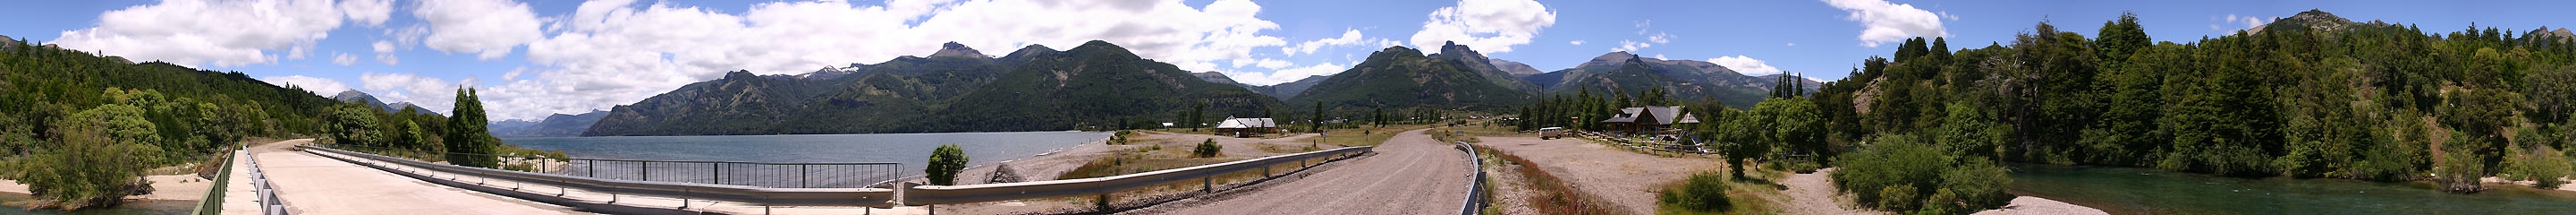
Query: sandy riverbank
x,y
164,187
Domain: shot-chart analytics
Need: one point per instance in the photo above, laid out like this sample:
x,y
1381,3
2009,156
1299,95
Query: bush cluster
x,y
1903,174
1207,149
945,162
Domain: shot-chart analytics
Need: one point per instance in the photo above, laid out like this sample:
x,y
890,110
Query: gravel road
x,y
1410,174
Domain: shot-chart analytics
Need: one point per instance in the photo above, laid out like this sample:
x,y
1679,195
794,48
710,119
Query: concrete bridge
x,y
1409,174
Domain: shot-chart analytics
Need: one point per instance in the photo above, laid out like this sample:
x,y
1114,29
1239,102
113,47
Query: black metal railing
x,y
767,175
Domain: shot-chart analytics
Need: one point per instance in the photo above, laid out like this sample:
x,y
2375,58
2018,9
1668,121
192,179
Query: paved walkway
x,y
239,196
1411,174
312,184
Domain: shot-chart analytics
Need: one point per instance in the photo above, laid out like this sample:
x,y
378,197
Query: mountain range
x,y
1102,85
956,89
557,125
370,100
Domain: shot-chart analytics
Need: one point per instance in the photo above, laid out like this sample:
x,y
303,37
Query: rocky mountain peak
x,y
1516,68
953,49
1453,51
1608,59
1215,77
2313,18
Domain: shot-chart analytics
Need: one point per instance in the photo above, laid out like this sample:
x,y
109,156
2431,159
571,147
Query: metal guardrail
x,y
872,197
755,174
268,203
213,203
1476,182
931,195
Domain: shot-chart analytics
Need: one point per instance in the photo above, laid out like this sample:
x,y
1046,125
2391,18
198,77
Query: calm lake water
x,y
912,150
2150,191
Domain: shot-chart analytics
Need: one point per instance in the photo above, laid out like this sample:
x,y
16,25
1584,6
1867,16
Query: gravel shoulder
x,y
1628,179
1410,174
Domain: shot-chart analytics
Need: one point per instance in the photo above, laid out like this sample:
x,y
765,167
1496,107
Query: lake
x,y
912,150
2150,191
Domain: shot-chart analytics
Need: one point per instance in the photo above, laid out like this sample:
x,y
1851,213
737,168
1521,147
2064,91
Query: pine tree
x,y
469,143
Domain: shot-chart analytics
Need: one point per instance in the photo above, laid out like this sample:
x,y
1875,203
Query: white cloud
x,y
296,53
652,48
319,86
1651,39
1793,44
1889,22
343,59
2249,22
201,32
1491,26
489,28
1287,75
1575,42
1263,63
1350,37
385,53
437,95
1627,45
369,12
1746,65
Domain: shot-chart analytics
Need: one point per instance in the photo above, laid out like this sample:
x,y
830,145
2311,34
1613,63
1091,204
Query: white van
x,y
1551,133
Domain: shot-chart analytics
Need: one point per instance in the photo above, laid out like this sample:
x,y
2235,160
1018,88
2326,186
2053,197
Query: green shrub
x,y
1207,149
945,162
1702,192
2459,171
1896,198
89,167
1901,173
1942,201
2543,164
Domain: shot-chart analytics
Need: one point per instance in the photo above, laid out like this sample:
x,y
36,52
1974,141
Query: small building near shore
x,y
1245,127
1650,119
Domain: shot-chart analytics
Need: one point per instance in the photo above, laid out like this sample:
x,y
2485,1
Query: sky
x,y
530,59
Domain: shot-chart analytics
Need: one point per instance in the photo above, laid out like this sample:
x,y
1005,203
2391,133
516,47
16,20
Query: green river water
x,y
2150,191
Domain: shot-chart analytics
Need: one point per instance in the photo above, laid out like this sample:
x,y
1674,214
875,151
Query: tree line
x,y
80,129
2303,97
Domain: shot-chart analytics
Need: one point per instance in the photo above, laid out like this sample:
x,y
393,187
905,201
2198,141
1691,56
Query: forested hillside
x,y
1096,85
1400,77
2311,95
79,128
186,111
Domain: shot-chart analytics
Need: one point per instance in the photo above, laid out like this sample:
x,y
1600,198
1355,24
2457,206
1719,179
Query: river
x,y
2150,191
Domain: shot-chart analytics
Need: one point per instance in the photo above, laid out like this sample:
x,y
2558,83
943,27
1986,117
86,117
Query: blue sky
x,y
533,58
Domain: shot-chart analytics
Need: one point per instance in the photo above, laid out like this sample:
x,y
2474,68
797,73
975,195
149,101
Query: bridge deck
x,y
315,185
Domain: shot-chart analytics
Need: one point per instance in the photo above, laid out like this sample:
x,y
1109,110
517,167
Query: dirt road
x,y
1410,174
